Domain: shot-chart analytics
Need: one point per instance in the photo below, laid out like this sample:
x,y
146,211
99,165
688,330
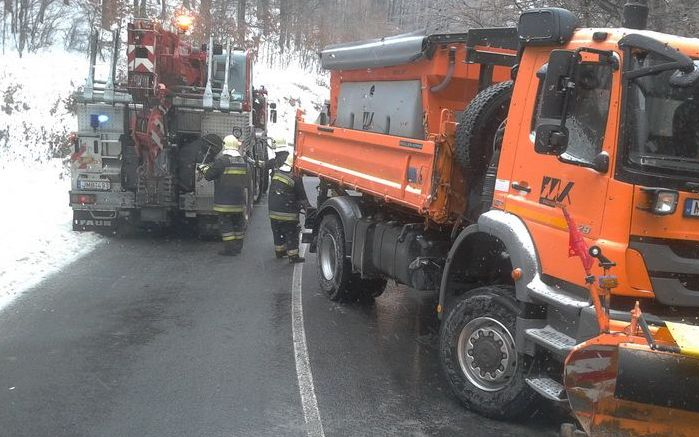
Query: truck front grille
x,y
673,267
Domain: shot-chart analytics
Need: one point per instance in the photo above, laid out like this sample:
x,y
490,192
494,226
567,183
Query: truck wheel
x,y
479,356
367,289
478,124
258,185
334,270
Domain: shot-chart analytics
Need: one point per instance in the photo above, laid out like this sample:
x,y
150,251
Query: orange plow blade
x,y
617,388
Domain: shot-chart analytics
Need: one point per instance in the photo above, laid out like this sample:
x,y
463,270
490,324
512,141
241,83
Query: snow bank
x,y
34,101
291,88
36,238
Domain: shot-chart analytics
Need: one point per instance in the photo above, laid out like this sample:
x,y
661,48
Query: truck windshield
x,y
662,132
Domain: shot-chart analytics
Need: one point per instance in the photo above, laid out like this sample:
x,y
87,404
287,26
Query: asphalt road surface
x,y
162,337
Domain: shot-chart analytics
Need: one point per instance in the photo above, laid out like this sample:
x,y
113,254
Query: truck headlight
x,y
661,201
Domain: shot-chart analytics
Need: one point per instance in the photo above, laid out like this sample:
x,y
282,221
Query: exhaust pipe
x,y
636,14
225,102
208,100
450,72
88,92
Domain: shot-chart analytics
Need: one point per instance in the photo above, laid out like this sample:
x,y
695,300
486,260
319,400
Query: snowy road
x,y
162,337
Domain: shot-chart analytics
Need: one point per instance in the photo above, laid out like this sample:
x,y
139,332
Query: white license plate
x,y
691,208
94,185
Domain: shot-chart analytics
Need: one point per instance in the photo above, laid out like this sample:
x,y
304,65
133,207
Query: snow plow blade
x,y
617,388
686,337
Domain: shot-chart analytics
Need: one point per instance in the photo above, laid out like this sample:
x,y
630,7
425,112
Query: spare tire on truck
x,y
477,127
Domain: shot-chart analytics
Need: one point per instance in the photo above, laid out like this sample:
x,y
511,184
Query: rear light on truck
x,y
83,199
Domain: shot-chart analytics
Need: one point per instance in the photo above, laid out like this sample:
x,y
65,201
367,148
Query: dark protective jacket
x,y
202,150
286,195
230,176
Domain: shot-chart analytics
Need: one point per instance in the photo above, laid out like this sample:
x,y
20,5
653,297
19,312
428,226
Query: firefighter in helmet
x,y
230,173
286,198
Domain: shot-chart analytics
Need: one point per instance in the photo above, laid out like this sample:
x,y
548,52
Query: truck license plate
x,y
691,208
94,185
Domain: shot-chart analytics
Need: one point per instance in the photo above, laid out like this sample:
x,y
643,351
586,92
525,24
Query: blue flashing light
x,y
102,118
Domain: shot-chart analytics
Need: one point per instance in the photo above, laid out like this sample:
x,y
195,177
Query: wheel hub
x,y
328,261
487,353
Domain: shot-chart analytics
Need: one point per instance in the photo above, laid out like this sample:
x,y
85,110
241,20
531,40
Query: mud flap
x,y
628,389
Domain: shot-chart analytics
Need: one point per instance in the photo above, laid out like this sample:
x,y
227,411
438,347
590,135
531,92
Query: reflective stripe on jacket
x,y
231,182
231,236
285,195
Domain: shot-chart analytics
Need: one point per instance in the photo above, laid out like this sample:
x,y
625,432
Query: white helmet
x,y
230,142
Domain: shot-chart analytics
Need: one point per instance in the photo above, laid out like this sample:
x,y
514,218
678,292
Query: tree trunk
x,y
283,23
262,14
205,14
241,22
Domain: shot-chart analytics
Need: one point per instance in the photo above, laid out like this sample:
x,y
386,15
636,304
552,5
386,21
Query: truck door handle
x,y
520,187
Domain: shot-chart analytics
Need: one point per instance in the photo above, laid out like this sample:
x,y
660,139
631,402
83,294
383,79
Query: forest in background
x,y
302,27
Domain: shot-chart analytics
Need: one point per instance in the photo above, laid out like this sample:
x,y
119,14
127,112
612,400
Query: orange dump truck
x,y
447,162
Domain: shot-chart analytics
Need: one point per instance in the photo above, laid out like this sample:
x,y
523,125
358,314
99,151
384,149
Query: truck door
x,y
540,182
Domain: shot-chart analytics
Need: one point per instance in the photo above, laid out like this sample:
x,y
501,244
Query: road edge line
x,y
309,402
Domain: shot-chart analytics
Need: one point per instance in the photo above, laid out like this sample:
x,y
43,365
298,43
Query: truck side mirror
x,y
551,139
556,100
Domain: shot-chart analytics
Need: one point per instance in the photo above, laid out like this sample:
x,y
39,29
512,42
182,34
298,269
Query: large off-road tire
x,y
366,289
258,185
478,124
479,356
261,182
334,269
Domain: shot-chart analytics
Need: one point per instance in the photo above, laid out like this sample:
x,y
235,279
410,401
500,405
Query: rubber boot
x,y
279,251
229,249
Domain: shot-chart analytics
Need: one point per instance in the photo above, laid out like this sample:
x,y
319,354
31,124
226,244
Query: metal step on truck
x,y
456,163
139,142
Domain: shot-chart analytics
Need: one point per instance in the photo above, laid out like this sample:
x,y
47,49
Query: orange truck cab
x,y
438,171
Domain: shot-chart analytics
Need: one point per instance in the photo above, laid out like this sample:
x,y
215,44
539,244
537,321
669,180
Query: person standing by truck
x,y
286,197
229,172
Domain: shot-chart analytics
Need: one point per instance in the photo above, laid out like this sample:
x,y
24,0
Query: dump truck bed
x,y
398,170
391,122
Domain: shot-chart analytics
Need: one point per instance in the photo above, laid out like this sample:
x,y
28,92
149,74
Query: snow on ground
x,y
36,236
291,88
